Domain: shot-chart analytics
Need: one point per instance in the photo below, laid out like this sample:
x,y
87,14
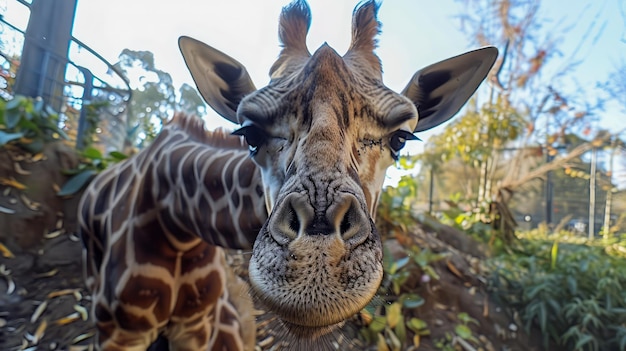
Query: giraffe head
x,y
323,132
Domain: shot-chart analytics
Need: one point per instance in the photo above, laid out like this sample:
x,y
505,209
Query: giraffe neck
x,y
203,184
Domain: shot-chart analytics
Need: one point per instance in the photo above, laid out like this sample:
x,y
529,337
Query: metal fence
x,y
78,88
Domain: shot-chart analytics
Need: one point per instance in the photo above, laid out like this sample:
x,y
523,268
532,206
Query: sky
x,y
415,33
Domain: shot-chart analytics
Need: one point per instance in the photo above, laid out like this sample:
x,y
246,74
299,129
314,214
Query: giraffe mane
x,y
219,138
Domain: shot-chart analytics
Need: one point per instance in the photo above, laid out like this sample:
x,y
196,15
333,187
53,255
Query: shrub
x,y
575,293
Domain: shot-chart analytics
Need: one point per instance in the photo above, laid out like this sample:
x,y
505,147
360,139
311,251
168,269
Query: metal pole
x,y
430,191
549,192
592,193
44,55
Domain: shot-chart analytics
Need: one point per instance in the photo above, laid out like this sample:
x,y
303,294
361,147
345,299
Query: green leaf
x,y
12,118
118,156
38,106
463,331
400,331
92,153
466,318
584,339
15,102
378,324
411,300
394,314
417,325
7,137
77,183
554,254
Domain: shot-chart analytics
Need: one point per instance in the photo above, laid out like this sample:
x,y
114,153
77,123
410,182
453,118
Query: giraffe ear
x,y
221,80
441,89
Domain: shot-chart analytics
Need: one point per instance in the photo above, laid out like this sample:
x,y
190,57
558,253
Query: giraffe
x,y
301,190
149,271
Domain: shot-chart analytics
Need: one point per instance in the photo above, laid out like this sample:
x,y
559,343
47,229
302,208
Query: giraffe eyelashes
x,y
397,141
255,137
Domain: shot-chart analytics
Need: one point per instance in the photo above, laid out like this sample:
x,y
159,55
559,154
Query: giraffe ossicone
x,y
302,193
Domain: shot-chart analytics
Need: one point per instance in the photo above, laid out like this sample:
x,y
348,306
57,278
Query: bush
x,y
575,293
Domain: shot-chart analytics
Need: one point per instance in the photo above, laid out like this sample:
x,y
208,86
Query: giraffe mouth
x,y
314,283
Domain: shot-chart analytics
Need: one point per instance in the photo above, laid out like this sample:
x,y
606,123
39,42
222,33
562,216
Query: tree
x,y
154,97
524,110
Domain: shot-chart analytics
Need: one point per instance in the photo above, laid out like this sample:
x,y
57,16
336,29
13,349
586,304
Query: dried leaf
x,y
68,319
38,311
54,234
32,205
6,253
40,332
48,273
453,269
84,315
485,307
12,183
381,345
38,157
395,342
77,295
416,340
82,337
6,210
10,285
19,170
366,316
58,293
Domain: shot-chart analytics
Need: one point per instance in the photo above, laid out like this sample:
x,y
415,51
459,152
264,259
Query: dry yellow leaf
x,y
12,183
381,345
6,253
68,319
82,337
39,333
58,293
50,273
416,340
38,312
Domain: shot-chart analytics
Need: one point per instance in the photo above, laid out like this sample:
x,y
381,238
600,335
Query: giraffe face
x,y
323,133
323,143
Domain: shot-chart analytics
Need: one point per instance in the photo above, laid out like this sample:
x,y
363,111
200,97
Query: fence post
x,y
44,56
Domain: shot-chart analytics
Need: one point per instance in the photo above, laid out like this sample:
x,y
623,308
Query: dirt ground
x,y
44,304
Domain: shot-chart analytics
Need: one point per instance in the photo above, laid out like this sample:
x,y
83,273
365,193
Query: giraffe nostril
x,y
346,224
350,218
294,222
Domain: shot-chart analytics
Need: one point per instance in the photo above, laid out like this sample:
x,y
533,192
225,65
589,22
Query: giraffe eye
x,y
255,137
397,141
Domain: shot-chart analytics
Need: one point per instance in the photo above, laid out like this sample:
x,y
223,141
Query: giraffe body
x,y
320,137
149,271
